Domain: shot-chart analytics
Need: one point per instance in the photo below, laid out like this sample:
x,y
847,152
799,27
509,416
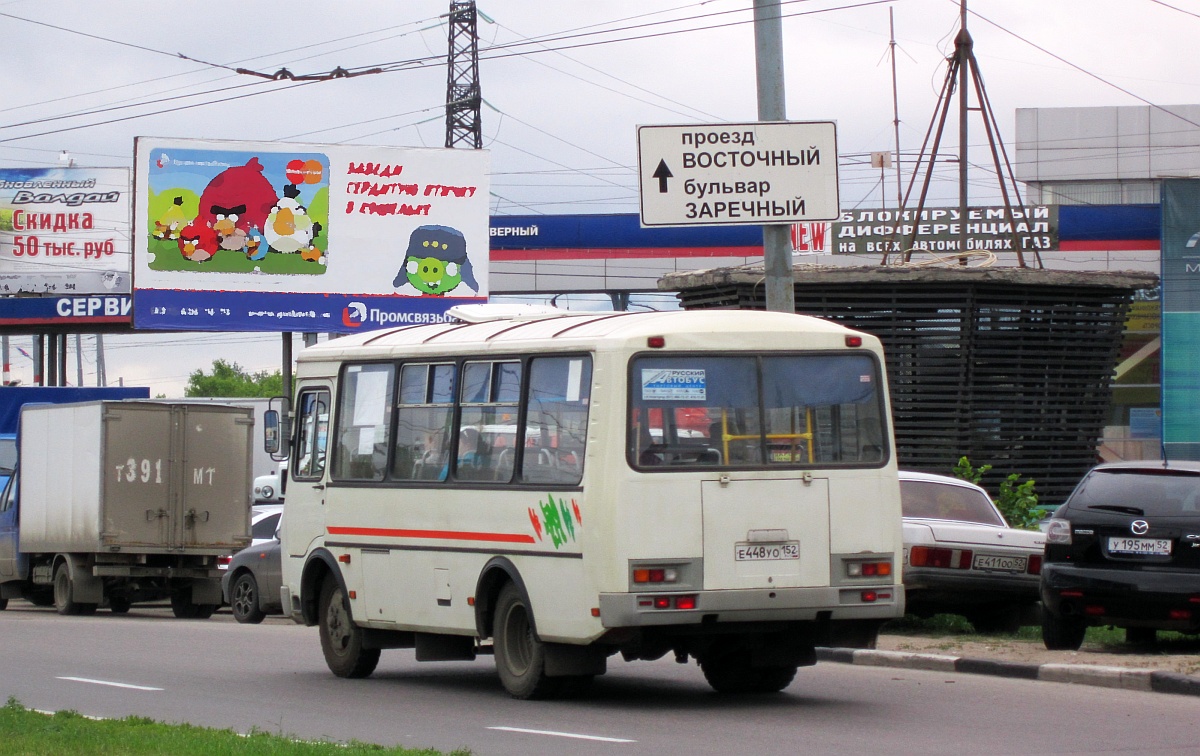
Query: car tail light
x,y
1071,594
1094,610
1058,531
1180,614
223,561
930,556
1035,565
869,569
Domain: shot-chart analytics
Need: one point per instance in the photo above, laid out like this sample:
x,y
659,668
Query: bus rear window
x,y
801,410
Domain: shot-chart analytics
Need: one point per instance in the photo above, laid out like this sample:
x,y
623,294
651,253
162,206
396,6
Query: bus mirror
x,y
271,439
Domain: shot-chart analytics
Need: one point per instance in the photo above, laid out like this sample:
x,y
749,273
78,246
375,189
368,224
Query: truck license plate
x,y
761,552
999,563
1150,546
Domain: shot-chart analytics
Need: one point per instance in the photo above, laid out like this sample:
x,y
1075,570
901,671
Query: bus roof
x,y
581,330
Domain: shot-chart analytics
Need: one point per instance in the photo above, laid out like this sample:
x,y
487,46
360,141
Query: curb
x,y
1123,678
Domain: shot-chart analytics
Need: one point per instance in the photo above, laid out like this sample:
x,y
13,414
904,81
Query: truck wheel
x,y
183,608
64,600
119,604
243,600
3,604
520,657
341,639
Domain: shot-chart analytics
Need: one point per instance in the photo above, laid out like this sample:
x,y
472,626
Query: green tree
x,y
1016,501
231,379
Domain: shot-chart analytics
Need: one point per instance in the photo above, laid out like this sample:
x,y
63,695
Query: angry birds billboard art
x,y
436,263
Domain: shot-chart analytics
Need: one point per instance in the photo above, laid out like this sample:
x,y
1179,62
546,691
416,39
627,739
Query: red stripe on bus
x,y
440,535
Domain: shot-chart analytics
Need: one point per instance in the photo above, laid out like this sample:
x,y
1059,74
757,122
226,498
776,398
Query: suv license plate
x,y
999,563
1148,546
761,552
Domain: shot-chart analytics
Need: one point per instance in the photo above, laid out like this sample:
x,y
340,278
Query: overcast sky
x,y
561,111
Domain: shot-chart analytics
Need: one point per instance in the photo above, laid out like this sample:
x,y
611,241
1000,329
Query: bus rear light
x,y
869,569
1035,565
869,597
685,602
670,601
595,611
854,341
644,575
656,342
929,556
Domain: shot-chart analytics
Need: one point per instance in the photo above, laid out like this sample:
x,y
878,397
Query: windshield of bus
x,y
793,410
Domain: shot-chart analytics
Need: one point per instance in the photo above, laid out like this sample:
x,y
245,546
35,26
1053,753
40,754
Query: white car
x,y
961,557
267,489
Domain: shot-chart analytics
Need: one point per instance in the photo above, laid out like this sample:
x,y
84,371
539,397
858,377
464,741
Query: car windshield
x,y
946,501
1149,492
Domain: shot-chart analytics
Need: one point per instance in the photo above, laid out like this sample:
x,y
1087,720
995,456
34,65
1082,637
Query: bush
x,y
1016,501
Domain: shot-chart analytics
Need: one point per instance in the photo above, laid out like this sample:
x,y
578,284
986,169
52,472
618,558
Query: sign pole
x,y
768,60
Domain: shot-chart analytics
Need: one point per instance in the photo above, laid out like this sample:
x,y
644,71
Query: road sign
x,y
730,173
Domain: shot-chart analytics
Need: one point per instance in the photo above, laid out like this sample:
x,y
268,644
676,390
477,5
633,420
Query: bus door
x,y
305,520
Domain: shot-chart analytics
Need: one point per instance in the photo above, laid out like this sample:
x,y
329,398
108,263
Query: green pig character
x,y
436,262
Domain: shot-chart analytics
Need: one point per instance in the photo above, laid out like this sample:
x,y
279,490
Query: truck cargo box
x,y
135,477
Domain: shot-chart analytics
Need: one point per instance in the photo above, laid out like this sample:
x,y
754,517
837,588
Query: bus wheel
x,y
341,639
64,590
732,674
520,657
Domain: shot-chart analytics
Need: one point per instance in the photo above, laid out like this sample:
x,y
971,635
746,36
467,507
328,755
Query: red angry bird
x,y
236,200
197,242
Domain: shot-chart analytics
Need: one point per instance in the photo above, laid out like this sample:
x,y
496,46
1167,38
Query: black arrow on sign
x,y
662,173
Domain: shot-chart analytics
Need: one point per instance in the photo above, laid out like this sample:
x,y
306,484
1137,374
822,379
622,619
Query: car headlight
x,y
268,492
1058,531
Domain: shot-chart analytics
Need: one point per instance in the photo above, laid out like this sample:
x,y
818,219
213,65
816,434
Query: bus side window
x,y
556,420
311,431
424,413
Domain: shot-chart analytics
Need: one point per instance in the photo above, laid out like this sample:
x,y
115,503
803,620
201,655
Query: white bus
x,y
558,488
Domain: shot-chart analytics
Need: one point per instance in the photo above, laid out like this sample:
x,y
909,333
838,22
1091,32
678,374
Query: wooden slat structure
x,y
1009,366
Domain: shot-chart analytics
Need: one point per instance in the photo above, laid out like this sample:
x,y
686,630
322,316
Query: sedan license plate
x,y
762,552
999,563
1148,546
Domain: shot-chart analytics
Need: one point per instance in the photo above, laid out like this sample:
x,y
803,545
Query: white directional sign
x,y
730,173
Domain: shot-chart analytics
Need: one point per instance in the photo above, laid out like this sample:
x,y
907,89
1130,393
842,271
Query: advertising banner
x,y
1181,318
249,236
64,231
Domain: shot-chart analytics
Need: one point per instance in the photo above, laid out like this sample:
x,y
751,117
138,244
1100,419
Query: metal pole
x,y
896,113
768,62
39,375
101,371
963,52
78,360
7,369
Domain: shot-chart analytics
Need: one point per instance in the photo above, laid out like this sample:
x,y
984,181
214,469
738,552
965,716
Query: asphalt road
x,y
272,677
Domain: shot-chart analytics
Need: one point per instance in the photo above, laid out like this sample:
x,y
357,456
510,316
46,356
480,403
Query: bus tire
x,y
732,674
520,657
341,639
64,594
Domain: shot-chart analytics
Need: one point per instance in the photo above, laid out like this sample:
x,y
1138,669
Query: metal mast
x,y
963,73
462,78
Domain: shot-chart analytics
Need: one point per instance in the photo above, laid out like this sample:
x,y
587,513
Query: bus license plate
x,y
999,563
763,552
1150,546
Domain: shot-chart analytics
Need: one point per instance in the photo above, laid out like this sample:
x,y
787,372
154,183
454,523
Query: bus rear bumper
x,y
623,610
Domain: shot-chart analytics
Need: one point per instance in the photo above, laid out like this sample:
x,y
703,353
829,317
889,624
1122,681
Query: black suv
x,y
1124,550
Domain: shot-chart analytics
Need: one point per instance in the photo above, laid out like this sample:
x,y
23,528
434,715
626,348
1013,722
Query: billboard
x,y
1181,318
64,231
251,236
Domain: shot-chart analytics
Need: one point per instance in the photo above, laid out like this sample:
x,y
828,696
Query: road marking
x,y
575,735
106,682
